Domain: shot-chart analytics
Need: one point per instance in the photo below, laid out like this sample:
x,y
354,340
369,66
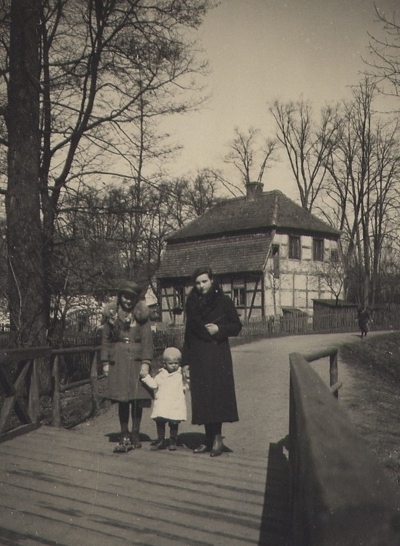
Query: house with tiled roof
x,y
266,250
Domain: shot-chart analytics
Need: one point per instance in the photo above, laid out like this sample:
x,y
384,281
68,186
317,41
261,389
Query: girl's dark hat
x,y
131,288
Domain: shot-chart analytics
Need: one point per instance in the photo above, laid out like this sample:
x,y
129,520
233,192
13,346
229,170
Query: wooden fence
x,y
340,493
288,325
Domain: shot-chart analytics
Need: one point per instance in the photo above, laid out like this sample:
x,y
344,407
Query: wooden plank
x,y
23,429
66,487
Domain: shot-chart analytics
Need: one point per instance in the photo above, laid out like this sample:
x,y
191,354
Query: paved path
x,y
61,487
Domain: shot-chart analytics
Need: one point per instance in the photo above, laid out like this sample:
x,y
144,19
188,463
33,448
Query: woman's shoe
x,y
204,448
172,444
218,446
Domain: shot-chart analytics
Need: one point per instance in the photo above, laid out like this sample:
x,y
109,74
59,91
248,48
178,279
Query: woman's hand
x,y
212,328
186,373
106,367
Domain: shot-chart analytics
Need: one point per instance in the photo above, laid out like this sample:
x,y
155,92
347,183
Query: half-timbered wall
x,y
246,292
293,272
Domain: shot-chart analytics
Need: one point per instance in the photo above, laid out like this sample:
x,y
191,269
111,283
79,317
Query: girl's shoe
x,y
136,443
172,444
124,444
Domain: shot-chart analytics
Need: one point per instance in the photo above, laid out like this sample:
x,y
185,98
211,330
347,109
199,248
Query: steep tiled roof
x,y
227,254
268,211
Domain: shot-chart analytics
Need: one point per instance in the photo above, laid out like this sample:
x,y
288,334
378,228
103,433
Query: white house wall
x,y
299,282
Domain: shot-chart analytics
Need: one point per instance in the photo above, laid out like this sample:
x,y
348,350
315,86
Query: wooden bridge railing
x,y
59,355
24,386
20,395
340,493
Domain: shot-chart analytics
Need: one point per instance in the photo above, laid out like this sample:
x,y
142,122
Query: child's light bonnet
x,y
172,353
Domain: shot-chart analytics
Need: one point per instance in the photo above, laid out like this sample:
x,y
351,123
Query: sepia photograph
x,y
199,272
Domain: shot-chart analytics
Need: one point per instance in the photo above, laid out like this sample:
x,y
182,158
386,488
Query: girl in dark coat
x,y
126,353
211,318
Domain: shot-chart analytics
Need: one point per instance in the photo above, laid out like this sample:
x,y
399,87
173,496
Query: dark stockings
x,y
123,413
173,430
212,430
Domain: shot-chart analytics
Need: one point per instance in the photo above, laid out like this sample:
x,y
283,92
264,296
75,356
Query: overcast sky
x,y
260,50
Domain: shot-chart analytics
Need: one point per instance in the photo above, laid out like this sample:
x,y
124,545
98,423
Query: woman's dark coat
x,y
209,357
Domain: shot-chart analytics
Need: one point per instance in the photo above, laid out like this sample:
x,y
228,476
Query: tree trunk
x,y
24,231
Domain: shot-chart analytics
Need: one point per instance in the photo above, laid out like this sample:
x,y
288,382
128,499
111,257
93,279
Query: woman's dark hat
x,y
130,288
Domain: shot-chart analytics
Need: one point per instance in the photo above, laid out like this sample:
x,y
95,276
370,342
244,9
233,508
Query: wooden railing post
x,y
333,372
95,385
34,394
55,395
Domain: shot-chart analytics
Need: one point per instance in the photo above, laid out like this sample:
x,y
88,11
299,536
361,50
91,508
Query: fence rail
x,y
340,494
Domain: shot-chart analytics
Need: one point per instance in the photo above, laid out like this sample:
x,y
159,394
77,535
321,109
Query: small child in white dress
x,y
169,398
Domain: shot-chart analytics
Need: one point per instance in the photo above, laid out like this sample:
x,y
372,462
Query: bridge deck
x,y
60,487
67,487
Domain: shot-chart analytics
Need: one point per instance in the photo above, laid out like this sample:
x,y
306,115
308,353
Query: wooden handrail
x,y
332,352
27,362
340,493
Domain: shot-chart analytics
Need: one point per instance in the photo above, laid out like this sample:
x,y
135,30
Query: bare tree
x,y
88,68
332,273
384,62
248,157
26,286
307,144
105,236
364,171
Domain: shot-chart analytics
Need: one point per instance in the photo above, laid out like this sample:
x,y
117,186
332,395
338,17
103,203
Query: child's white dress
x,y
169,395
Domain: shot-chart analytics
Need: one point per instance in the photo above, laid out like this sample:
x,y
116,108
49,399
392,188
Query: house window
x,y
318,250
334,255
179,298
294,247
275,261
239,297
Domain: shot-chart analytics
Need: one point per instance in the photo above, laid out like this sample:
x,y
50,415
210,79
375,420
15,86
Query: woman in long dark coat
x,y
126,353
211,318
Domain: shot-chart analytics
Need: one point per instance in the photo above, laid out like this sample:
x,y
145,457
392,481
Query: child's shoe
x,y
172,444
161,444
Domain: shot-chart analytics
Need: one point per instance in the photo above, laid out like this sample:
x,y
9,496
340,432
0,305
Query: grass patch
x,y
374,405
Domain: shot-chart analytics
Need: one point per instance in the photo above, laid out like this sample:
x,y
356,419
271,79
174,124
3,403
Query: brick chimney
x,y
253,190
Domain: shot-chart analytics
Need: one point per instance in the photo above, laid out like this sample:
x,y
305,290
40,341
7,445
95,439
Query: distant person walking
x,y
127,351
211,318
364,318
169,398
